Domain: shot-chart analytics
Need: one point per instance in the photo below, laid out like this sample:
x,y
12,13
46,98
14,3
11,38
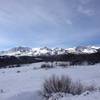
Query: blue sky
x,y
51,23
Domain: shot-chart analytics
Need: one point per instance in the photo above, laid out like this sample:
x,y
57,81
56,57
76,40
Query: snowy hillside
x,y
23,83
26,51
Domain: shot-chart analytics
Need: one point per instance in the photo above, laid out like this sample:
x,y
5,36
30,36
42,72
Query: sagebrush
x,y
64,84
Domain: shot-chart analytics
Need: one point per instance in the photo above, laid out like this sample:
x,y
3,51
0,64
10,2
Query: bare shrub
x,y
76,88
18,71
90,88
55,84
64,84
1,91
63,64
46,65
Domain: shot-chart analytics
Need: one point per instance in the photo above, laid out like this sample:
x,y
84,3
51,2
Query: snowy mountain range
x,y
26,51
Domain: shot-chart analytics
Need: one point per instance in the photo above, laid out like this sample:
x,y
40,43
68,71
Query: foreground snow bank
x,y
84,96
58,96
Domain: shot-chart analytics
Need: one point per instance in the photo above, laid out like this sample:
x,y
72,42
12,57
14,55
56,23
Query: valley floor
x,y
24,82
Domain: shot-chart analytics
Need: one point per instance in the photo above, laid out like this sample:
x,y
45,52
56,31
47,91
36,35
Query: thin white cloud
x,y
83,10
84,7
84,1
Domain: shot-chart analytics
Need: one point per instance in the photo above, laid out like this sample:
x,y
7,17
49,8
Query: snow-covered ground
x,y
23,83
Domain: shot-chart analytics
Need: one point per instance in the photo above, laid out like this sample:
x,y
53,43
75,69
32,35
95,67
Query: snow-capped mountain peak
x,y
26,51
21,49
85,49
17,51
